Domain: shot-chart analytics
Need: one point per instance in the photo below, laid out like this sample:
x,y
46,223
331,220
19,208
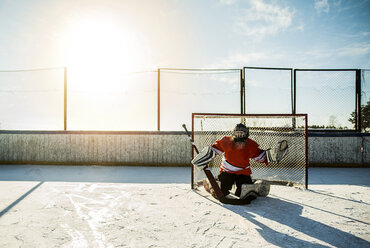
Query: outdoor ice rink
x,y
96,206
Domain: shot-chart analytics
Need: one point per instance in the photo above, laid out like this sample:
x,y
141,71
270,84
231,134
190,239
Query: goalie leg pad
x,y
248,189
207,186
263,188
204,157
259,188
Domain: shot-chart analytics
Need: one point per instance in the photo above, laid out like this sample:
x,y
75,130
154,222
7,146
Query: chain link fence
x,y
123,101
328,96
32,99
268,90
162,100
185,91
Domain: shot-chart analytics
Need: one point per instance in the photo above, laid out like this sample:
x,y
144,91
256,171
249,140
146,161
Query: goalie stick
x,y
212,180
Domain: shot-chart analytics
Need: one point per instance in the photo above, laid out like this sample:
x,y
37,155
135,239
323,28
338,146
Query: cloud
x,y
355,49
316,58
263,19
238,60
322,6
227,2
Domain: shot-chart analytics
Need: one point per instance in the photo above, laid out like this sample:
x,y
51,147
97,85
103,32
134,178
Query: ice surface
x,y
78,206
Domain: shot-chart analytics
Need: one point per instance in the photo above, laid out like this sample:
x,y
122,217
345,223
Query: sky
x,y
190,34
111,38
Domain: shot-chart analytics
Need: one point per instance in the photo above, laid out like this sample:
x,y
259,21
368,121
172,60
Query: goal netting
x,y
267,131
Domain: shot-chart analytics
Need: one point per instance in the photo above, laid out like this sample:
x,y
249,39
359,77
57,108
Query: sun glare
x,y
102,57
98,53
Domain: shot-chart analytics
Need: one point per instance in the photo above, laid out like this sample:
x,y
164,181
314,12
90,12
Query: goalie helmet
x,y
240,133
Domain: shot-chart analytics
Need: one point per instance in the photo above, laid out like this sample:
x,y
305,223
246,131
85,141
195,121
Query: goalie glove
x,y
277,153
202,159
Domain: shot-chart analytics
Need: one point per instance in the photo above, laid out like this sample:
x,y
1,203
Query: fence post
x,y
293,81
358,101
159,99
242,91
65,98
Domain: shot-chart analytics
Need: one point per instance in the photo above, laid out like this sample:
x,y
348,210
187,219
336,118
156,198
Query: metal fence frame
x,y
242,86
357,94
358,102
243,96
275,69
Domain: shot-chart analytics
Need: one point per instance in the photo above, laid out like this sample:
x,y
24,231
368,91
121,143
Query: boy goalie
x,y
237,150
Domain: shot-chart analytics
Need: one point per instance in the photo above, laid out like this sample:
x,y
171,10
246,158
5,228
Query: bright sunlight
x,y
99,53
102,59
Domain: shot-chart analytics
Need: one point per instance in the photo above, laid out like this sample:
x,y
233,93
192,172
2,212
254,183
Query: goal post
x,y
267,130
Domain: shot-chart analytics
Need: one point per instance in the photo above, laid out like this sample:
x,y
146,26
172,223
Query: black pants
x,y
227,181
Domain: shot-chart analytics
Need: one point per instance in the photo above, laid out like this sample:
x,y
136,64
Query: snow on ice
x,y
97,206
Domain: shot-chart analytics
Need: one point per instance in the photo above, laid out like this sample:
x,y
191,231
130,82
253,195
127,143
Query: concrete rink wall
x,y
116,148
154,148
339,148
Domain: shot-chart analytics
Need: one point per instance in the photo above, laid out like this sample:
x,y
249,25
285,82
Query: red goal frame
x,y
305,116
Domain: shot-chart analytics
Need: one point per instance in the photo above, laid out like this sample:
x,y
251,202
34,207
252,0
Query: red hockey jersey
x,y
236,159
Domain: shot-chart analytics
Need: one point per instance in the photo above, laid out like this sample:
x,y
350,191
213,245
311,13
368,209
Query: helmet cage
x,y
240,133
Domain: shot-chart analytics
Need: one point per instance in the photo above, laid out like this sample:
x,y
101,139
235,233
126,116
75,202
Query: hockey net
x,y
267,131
